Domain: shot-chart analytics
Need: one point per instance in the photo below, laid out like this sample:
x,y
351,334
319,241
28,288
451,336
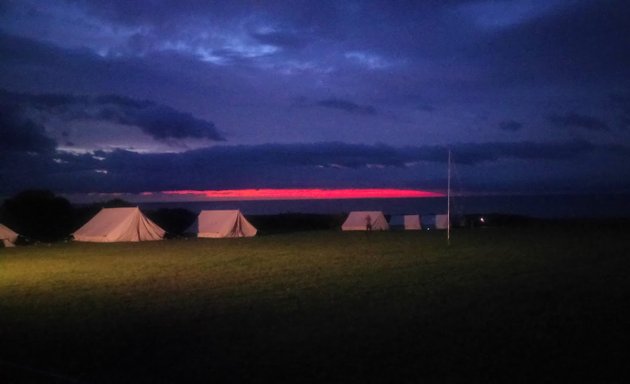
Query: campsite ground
x,y
509,305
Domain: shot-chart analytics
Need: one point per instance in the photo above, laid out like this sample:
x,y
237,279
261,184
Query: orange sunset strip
x,y
298,194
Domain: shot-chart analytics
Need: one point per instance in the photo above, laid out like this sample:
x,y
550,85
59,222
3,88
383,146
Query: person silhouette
x,y
368,223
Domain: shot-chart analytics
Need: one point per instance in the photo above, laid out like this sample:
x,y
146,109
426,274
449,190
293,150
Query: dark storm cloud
x,y
269,165
165,13
585,42
29,64
347,106
38,67
493,151
18,133
437,45
241,63
510,125
574,120
426,107
620,103
161,12
357,156
34,54
158,121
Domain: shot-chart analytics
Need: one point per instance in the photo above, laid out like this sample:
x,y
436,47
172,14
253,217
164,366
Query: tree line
x,y
40,215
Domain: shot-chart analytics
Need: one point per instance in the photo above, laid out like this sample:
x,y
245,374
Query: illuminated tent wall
x,y
118,225
7,236
405,222
358,220
441,221
217,224
412,222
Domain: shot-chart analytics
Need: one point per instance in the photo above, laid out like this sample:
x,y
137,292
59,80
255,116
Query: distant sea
x,y
543,206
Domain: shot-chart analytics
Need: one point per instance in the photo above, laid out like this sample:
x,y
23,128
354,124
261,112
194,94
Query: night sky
x,y
129,96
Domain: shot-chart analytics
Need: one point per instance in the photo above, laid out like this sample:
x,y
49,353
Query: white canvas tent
x,y
412,222
226,223
117,225
441,221
360,220
7,236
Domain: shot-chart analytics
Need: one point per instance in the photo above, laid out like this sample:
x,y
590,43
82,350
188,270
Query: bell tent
x,y
226,223
412,222
365,221
118,225
441,221
7,236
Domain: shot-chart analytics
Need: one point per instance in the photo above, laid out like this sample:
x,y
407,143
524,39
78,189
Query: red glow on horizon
x,y
304,194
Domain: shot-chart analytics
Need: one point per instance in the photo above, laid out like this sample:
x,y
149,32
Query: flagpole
x,y
448,202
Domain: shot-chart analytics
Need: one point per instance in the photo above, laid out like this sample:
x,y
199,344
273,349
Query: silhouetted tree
x,y
39,215
117,203
174,221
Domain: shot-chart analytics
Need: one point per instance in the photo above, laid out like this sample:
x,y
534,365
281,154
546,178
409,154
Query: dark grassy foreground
x,y
506,305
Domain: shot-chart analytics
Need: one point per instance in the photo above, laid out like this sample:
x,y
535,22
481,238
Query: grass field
x,y
500,305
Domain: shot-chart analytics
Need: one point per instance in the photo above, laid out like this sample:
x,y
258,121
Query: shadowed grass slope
x,y
498,305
